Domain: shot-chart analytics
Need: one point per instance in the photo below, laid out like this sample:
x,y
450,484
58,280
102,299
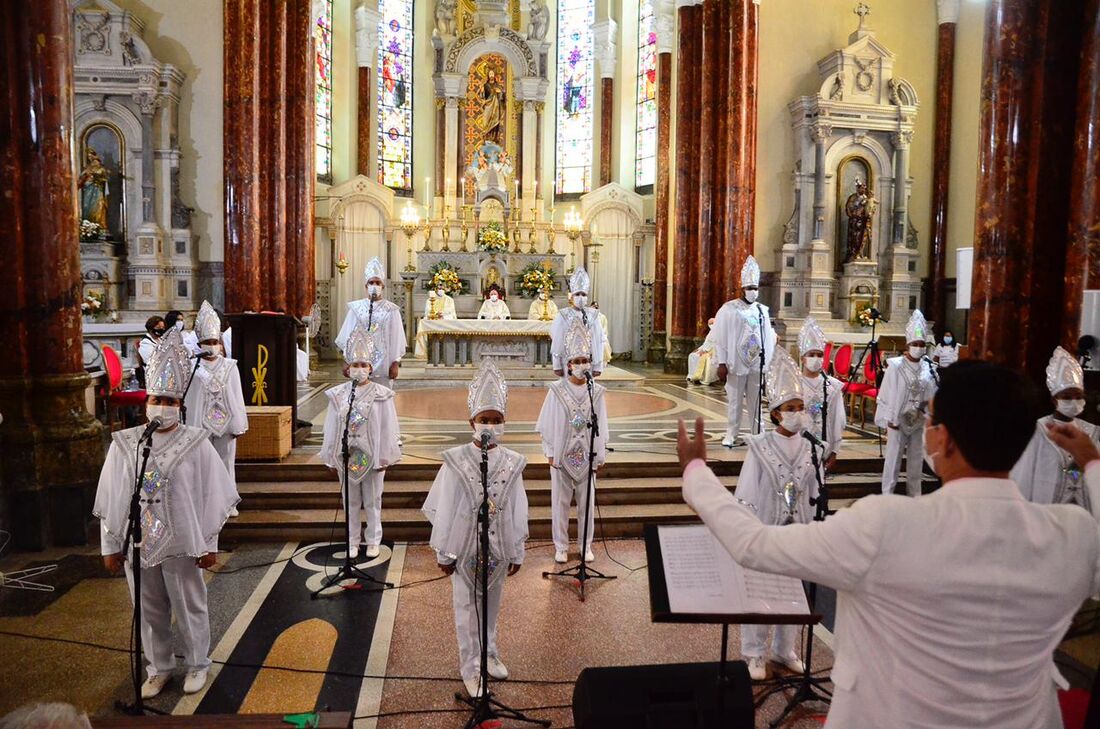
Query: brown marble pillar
x,y
607,107
1083,250
684,260
941,173
365,121
706,144
51,449
269,156
724,79
741,140
661,193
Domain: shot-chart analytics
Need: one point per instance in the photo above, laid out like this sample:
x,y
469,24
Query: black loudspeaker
x,y
676,696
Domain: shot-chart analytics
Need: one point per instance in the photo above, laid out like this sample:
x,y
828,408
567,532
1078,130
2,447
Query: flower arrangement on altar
x,y
94,305
863,316
90,231
445,276
492,239
534,278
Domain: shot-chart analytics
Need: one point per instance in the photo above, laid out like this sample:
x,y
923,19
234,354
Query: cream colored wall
x,y
962,200
189,36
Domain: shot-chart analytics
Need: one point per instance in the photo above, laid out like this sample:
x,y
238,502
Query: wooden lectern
x,y
266,349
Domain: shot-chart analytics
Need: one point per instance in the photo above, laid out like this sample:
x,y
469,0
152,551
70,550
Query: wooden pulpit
x,y
266,349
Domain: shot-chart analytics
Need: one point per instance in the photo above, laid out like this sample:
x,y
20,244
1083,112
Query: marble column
x,y
529,192
948,16
147,104
707,146
665,38
51,449
1083,250
451,153
819,133
605,42
901,142
367,18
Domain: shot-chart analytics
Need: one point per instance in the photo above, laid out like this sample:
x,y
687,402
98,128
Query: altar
x,y
516,343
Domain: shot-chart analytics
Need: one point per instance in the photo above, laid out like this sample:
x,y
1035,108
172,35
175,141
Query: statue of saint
x,y
92,184
860,209
494,109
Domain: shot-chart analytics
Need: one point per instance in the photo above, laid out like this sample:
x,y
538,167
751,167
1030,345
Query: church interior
x,y
491,207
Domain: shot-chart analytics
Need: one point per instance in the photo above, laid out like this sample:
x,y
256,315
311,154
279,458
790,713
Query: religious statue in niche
x,y
99,183
490,121
93,189
860,209
487,136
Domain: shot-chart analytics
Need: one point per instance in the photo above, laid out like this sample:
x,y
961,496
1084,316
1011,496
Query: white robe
x,y
215,403
604,327
742,330
227,341
385,323
186,498
709,373
542,310
373,444
563,427
452,508
560,327
496,310
442,308
906,389
1046,473
812,388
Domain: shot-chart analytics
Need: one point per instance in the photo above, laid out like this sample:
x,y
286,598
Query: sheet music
x,y
702,577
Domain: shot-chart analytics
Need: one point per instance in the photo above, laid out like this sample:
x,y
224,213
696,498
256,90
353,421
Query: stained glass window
x,y
575,71
395,94
646,123
322,90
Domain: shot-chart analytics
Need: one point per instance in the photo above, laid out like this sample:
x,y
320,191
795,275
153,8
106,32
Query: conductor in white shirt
x,y
949,608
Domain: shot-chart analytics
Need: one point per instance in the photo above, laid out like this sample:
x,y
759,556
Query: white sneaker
x,y
195,681
729,441
792,662
561,556
758,669
497,669
588,556
473,687
233,512
154,685
353,552
372,551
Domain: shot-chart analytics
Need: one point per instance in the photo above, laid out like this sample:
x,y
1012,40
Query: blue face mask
x,y
948,340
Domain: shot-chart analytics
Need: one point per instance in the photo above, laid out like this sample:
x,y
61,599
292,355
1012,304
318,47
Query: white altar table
x,y
463,342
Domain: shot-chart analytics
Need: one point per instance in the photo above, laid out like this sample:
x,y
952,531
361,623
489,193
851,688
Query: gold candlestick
x,y
465,230
531,240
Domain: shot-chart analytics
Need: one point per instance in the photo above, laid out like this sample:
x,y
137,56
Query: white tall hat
x,y
362,347
207,323
578,340
1064,372
784,379
374,269
169,366
579,281
811,337
917,329
488,391
750,272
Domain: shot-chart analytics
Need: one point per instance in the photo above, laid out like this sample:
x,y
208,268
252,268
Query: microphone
x,y
203,355
485,437
153,425
588,375
813,439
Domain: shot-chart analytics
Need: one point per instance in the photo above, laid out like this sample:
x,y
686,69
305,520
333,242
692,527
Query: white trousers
x,y
174,587
466,588
366,496
562,490
743,393
910,445
754,640
226,446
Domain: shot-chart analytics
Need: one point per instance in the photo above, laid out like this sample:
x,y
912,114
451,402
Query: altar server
x,y
439,305
778,483
373,438
493,307
186,498
824,394
563,425
702,363
383,319
907,387
743,333
579,284
1046,473
215,401
452,508
543,307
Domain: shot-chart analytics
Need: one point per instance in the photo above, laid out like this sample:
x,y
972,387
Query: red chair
x,y
871,367
843,364
825,367
118,398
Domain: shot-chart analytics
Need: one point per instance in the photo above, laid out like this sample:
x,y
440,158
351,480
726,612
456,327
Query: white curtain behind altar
x,y
360,235
614,275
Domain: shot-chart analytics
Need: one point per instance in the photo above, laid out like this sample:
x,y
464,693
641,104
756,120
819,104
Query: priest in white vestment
x,y
494,308
382,318
702,363
543,307
824,395
439,305
579,284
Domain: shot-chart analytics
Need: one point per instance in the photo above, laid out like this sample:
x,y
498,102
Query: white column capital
x,y
687,3
947,11
606,50
367,18
666,26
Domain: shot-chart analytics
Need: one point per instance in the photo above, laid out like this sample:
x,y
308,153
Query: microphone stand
x,y
582,572
485,706
807,686
876,360
347,571
758,425
183,400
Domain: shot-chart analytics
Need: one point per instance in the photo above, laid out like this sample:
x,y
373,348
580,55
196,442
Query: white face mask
x,y
179,325
916,352
1070,408
543,296
441,293
793,422
212,348
495,431
579,300
578,370
750,295
814,364
359,374
169,415
374,290
494,297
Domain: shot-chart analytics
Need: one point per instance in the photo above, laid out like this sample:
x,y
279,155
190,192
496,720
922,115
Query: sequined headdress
x,y
750,273
917,330
374,269
784,379
1064,372
169,367
578,340
579,281
207,323
811,337
362,347
488,391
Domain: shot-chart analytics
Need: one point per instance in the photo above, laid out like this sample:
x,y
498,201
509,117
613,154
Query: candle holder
x,y
572,232
465,230
531,240
410,225
342,263
515,230
445,229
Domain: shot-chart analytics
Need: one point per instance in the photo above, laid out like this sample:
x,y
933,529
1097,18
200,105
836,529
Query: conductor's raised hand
x,y
1074,441
688,448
